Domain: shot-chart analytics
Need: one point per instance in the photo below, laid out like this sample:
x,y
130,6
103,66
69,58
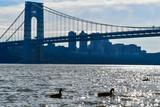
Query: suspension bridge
x,y
54,27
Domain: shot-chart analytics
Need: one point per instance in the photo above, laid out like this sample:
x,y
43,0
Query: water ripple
x,y
29,85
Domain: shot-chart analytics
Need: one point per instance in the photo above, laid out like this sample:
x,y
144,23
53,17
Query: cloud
x,y
9,14
98,3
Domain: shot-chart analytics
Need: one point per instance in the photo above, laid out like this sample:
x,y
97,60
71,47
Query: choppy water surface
x,y
30,85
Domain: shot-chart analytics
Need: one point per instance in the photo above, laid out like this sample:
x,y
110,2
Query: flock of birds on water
x,y
101,94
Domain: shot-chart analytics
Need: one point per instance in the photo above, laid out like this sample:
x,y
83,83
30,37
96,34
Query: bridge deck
x,y
88,37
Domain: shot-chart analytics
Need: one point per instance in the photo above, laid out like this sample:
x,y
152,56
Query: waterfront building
x,y
83,44
72,44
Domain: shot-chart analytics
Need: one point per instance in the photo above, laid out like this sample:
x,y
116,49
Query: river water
x,y
29,85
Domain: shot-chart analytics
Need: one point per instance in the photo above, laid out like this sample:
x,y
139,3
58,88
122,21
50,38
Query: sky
x,y
117,12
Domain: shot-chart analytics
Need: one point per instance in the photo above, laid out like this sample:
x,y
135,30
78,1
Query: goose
x,y
103,94
146,79
57,95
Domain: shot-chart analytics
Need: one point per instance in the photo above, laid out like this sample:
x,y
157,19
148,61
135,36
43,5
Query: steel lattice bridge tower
x,y
54,27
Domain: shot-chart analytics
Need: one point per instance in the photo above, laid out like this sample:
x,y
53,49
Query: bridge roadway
x,y
87,37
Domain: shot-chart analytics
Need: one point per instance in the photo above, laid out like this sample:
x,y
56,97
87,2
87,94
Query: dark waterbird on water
x,y
104,94
57,95
146,79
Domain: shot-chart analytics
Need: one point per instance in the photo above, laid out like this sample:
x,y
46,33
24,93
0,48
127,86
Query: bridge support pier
x,y
4,55
32,53
26,52
38,53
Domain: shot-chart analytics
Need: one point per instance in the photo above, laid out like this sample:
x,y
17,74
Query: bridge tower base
x,y
4,55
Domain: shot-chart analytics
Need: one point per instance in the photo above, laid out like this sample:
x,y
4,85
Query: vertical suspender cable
x,y
77,26
91,27
52,24
106,29
87,27
101,28
82,25
57,25
69,24
60,26
96,27
73,23
64,26
111,28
